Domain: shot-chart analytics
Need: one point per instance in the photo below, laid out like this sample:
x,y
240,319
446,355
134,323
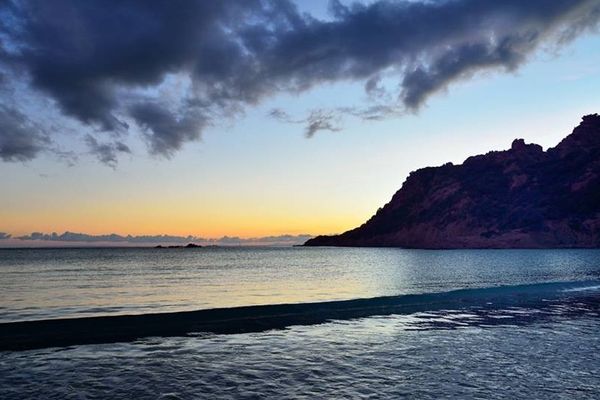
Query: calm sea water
x,y
547,349
54,283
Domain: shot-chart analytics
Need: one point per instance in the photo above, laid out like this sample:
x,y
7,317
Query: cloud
x,y
73,237
317,120
321,120
164,131
106,152
4,236
102,62
281,115
20,139
113,237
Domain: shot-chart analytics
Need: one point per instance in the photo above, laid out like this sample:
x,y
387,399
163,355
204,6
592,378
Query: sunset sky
x,y
253,118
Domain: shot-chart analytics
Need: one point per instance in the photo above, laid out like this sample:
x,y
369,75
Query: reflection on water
x,y
545,352
50,283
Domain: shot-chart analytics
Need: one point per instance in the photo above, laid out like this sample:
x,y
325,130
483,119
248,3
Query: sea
x,y
432,324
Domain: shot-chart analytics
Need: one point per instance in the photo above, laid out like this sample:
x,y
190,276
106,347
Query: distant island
x,y
523,197
187,246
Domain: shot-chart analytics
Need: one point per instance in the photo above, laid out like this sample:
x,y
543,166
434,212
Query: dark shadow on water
x,y
485,307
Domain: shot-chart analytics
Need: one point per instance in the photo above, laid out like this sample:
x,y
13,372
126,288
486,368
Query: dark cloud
x,y
20,139
4,236
107,153
100,60
71,237
164,131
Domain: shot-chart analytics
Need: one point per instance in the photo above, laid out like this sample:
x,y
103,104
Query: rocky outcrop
x,y
187,246
523,197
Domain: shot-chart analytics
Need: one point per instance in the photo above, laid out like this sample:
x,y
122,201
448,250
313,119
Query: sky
x,y
254,119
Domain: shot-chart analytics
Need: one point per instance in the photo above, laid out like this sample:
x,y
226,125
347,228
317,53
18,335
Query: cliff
x,y
523,197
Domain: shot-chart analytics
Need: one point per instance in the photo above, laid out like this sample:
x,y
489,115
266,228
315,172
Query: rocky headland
x,y
523,197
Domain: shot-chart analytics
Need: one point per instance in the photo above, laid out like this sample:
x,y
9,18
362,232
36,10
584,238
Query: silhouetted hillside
x,y
519,198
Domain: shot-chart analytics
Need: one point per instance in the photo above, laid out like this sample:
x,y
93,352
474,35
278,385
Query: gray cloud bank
x,y
20,140
101,61
147,240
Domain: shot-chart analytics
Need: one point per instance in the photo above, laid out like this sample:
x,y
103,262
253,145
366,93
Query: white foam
x,y
583,289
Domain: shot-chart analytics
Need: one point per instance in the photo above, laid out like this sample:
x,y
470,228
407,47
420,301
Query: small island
x,y
187,246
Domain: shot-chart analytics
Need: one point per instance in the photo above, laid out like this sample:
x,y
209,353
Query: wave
x,y
106,329
583,289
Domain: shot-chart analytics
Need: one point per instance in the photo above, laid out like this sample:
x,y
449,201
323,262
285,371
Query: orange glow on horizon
x,y
148,220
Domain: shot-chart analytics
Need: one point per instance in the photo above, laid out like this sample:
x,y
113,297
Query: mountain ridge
x,y
523,197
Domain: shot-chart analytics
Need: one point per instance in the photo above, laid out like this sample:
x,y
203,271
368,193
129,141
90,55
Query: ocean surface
x,y
512,323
